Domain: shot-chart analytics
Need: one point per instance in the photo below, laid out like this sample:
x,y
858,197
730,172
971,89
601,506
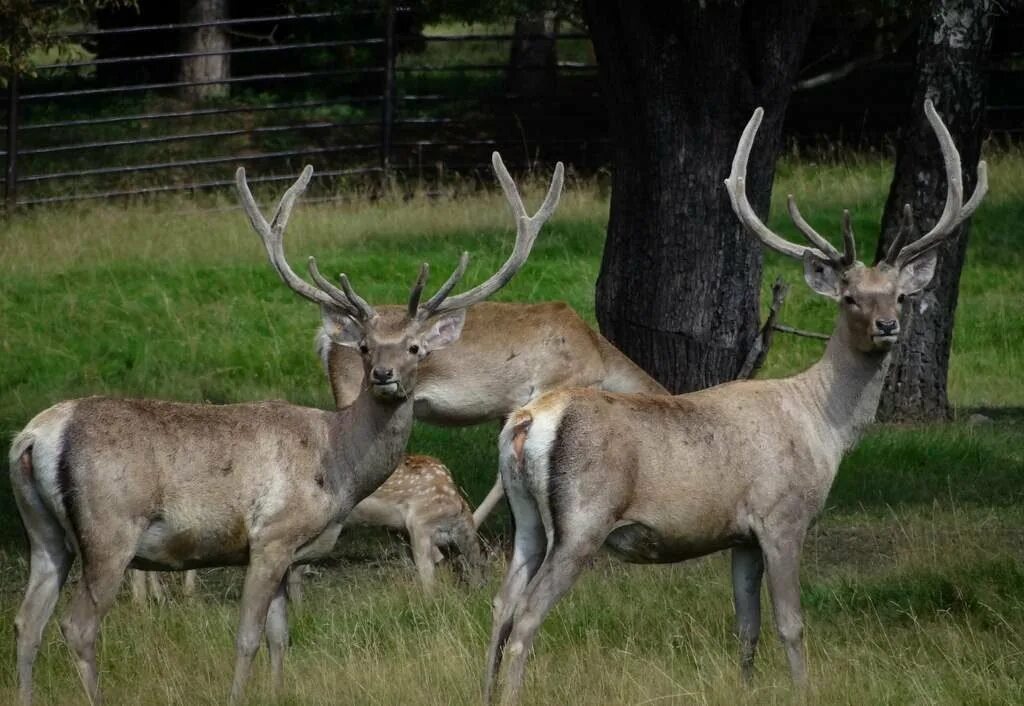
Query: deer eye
x,y
363,348
900,298
850,300
414,349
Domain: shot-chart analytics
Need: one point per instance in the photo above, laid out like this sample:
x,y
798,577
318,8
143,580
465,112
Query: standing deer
x,y
745,465
509,354
171,486
419,498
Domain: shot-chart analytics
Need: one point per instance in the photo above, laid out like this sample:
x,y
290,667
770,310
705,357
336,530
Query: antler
x,y
527,228
954,212
736,185
272,235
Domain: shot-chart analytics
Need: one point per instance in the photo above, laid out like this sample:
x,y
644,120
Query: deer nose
x,y
887,327
383,374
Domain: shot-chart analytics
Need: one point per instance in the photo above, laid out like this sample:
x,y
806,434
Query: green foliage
x,y
27,27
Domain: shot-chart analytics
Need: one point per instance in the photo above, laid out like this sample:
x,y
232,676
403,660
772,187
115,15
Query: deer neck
x,y
371,436
843,388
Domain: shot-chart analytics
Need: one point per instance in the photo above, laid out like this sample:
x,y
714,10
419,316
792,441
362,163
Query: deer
x,y
419,498
509,353
745,465
153,484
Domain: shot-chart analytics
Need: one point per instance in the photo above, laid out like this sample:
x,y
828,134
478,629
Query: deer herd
x,y
593,452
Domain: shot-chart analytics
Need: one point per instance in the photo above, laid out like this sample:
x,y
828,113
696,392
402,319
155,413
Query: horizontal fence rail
x,y
371,102
363,94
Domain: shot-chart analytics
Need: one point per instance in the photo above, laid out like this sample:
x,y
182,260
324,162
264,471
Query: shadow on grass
x,y
957,463
981,590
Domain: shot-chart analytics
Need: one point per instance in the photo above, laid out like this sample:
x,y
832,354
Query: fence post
x,y
11,171
387,117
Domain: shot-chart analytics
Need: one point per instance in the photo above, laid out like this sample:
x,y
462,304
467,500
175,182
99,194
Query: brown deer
x,y
509,353
170,486
744,466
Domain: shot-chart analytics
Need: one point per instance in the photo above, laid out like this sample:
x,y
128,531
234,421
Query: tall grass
x,y
913,579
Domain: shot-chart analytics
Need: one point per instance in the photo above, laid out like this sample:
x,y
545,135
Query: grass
x,y
913,579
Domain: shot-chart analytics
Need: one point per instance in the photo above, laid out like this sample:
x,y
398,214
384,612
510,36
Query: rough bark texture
x,y
533,61
953,47
679,282
205,39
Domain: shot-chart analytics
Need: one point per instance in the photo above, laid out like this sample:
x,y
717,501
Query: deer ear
x,y
917,273
444,330
340,327
821,276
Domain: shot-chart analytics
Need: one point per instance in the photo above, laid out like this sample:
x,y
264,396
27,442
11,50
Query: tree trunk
x,y
533,62
953,48
211,67
679,283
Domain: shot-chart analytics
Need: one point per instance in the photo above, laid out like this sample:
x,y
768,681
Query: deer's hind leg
x,y
49,562
559,571
528,548
103,567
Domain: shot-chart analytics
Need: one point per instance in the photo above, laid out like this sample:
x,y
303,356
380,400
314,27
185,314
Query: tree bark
x,y
533,60
211,67
679,283
953,47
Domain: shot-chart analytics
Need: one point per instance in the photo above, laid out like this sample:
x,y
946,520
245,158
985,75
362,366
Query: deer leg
x,y
471,557
295,576
555,577
493,497
155,582
267,568
138,584
277,633
423,549
49,562
782,560
102,573
528,548
189,587
747,570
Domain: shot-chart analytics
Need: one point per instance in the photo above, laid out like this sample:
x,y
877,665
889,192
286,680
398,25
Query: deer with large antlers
x,y
171,486
509,353
746,465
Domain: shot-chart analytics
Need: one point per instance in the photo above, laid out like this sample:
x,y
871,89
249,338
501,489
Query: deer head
x,y
870,298
393,342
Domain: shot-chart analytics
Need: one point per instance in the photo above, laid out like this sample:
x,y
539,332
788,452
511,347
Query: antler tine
x,y
955,211
737,188
812,235
849,243
905,230
508,186
272,234
339,298
417,290
527,229
446,288
366,312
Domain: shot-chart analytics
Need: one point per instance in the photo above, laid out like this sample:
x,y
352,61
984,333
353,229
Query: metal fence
x,y
368,97
361,108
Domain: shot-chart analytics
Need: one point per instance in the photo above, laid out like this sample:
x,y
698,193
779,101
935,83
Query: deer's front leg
x,y
747,571
267,568
782,559
277,633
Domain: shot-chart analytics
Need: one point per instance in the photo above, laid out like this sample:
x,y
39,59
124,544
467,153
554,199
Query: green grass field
x,y
913,580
